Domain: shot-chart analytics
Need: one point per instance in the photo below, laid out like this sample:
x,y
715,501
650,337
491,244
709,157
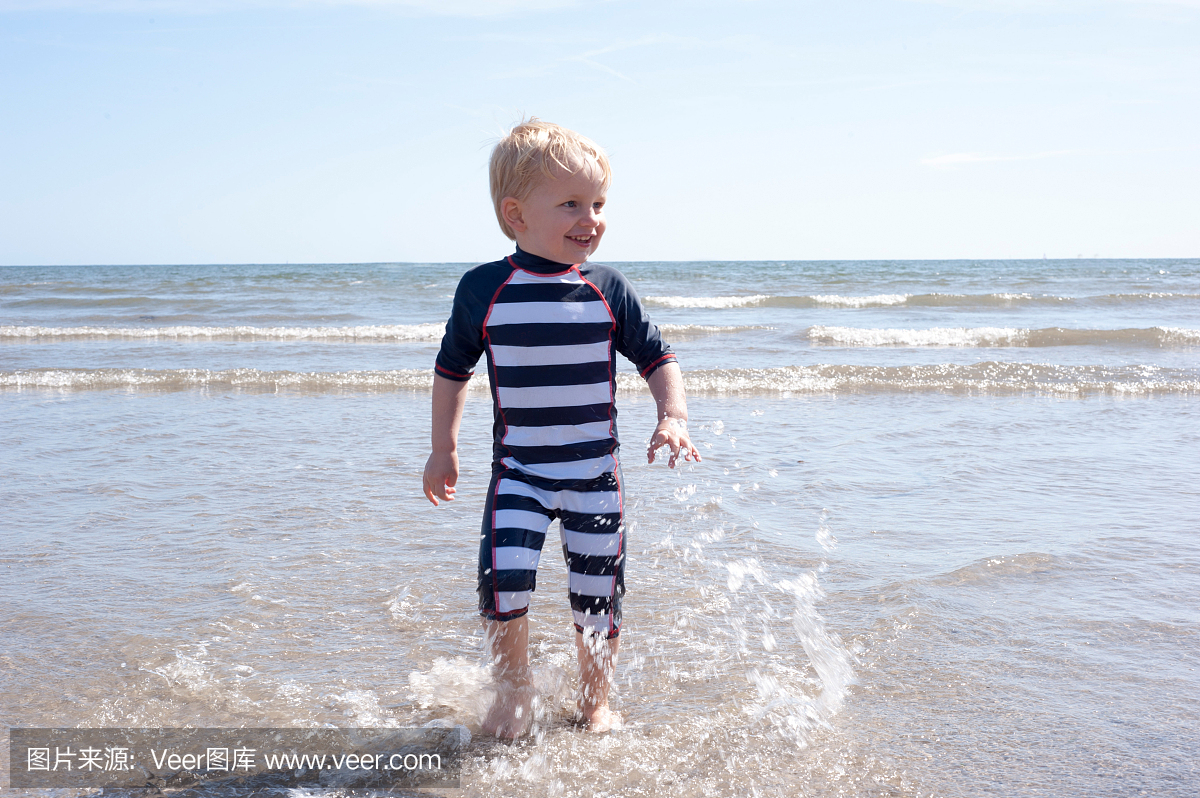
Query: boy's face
x,y
561,219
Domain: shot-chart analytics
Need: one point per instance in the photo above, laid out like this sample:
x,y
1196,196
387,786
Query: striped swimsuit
x,y
551,332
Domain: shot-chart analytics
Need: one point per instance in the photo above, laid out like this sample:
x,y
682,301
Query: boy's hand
x,y
441,475
673,432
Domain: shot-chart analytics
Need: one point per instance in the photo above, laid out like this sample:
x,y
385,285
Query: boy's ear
x,y
510,209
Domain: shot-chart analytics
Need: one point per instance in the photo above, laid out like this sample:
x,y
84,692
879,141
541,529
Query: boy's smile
x,y
562,219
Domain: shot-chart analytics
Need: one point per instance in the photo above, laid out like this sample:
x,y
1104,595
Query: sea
x,y
944,540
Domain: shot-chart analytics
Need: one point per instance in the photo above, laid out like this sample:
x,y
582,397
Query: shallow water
x,y
898,587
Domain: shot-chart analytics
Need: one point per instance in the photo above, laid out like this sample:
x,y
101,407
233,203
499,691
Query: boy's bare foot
x,y
511,712
602,720
597,657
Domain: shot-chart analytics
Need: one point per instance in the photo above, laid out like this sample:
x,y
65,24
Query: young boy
x,y
551,325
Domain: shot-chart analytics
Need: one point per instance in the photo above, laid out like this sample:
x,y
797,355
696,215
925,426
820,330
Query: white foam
x,y
985,378
708,301
227,379
696,330
936,336
879,300
1004,336
760,300
1180,335
376,332
1003,299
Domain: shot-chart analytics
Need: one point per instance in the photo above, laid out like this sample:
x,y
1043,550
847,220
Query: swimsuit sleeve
x,y
463,342
637,338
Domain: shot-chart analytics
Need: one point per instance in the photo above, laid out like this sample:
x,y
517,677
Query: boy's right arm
x,y
441,470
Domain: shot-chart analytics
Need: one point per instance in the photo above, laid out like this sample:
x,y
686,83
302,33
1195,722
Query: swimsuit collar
x,y
536,263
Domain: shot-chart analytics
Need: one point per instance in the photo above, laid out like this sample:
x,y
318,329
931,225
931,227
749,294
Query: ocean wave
x,y
1000,300
1121,298
1002,567
378,332
708,301
837,301
989,378
1161,337
683,331
247,379
372,333
766,300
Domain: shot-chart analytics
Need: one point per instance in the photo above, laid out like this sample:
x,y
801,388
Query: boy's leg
x,y
514,529
597,659
593,540
511,712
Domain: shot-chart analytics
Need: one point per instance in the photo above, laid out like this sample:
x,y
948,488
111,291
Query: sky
x,y
271,131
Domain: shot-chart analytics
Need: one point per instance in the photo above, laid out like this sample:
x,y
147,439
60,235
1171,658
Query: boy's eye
x,y
570,203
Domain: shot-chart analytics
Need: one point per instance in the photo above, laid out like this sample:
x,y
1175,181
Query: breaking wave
x,y
684,331
1161,337
378,332
989,378
384,333
757,300
765,300
1002,300
246,379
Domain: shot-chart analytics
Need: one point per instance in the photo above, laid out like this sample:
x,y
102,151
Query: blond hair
x,y
533,151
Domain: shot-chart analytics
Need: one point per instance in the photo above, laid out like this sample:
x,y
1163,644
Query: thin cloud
x,y
645,41
963,158
603,68
589,57
457,8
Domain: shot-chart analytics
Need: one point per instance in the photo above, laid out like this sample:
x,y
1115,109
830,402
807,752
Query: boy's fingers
x,y
663,438
445,491
655,443
681,445
674,453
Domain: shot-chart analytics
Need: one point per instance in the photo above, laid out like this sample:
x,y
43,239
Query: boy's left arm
x,y
666,384
640,340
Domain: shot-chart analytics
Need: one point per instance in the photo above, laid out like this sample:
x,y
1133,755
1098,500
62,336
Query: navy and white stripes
x,y
554,336
551,333
517,516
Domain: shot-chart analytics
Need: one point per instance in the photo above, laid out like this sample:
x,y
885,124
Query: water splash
x,y
461,687
789,704
824,535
